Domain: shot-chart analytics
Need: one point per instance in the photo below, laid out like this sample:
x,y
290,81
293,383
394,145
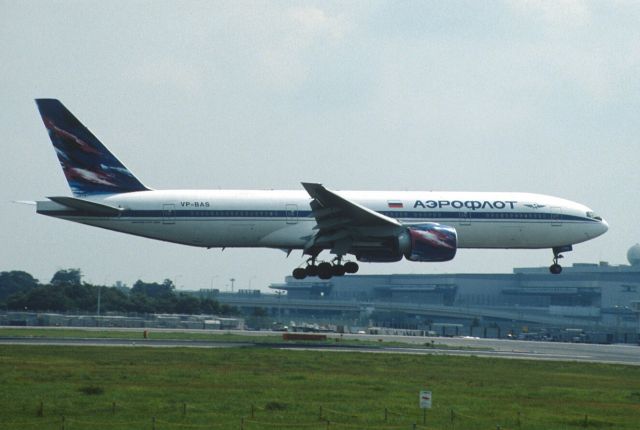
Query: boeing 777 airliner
x,y
373,226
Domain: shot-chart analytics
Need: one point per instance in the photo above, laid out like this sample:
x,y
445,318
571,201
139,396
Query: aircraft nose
x,y
600,228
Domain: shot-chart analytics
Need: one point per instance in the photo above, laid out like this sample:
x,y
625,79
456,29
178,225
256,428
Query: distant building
x,y
599,300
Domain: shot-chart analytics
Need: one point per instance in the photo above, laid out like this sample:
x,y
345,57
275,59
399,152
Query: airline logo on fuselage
x,y
468,204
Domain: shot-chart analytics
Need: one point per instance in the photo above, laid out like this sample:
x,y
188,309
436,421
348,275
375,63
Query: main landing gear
x,y
325,270
555,268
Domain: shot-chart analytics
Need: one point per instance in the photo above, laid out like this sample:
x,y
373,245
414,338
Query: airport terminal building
x,y
587,302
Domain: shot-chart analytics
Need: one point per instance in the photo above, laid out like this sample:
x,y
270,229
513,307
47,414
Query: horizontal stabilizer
x,y
87,206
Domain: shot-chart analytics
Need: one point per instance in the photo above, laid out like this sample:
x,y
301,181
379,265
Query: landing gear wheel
x,y
555,269
338,270
325,271
351,267
299,273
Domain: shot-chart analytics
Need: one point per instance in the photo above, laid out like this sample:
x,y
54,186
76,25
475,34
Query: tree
x,y
41,299
14,282
142,303
154,289
229,310
20,291
209,306
67,277
187,304
114,299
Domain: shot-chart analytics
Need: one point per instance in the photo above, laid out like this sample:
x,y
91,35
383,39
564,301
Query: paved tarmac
x,y
624,354
531,350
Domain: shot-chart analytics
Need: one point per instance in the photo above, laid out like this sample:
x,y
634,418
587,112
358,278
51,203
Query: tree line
x,y
66,292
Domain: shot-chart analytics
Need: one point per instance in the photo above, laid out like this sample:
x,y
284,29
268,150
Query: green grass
x,y
288,388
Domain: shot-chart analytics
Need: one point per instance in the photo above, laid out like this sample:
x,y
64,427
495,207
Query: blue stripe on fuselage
x,y
452,216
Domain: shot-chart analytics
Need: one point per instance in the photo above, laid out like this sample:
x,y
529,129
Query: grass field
x,y
124,388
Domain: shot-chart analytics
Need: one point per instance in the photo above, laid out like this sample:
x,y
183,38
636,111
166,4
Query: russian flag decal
x,y
395,204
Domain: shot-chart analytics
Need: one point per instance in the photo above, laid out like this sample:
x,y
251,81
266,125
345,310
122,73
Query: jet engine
x,y
428,242
418,242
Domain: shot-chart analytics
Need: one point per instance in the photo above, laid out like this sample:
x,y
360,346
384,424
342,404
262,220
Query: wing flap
x,y
332,223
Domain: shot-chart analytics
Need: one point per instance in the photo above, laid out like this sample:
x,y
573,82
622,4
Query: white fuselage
x,y
283,218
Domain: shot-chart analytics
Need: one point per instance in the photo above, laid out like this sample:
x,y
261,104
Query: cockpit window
x,y
593,215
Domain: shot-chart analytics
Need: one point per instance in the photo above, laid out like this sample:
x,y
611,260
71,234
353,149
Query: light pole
x,y
99,289
106,282
232,281
279,295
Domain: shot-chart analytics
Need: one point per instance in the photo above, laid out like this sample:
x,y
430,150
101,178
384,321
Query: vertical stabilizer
x,y
88,165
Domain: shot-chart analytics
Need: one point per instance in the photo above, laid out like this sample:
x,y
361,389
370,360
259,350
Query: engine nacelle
x,y
383,251
390,256
428,242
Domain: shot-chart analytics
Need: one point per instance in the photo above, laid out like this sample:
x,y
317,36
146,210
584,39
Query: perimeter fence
x,y
273,415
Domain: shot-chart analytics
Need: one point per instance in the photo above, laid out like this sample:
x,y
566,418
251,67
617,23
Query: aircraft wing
x,y
341,222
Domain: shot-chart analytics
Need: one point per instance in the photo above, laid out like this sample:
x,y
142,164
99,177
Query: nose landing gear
x,y
556,268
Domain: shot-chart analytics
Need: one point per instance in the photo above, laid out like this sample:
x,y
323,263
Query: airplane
x,y
372,226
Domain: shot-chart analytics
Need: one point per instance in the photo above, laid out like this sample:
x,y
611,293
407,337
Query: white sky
x,y
535,96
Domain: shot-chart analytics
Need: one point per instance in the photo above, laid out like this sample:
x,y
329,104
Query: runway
x,y
618,353
495,348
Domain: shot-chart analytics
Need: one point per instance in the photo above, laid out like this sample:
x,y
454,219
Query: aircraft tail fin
x,y
88,165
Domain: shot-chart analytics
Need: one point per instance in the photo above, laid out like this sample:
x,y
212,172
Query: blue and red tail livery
x,y
87,164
